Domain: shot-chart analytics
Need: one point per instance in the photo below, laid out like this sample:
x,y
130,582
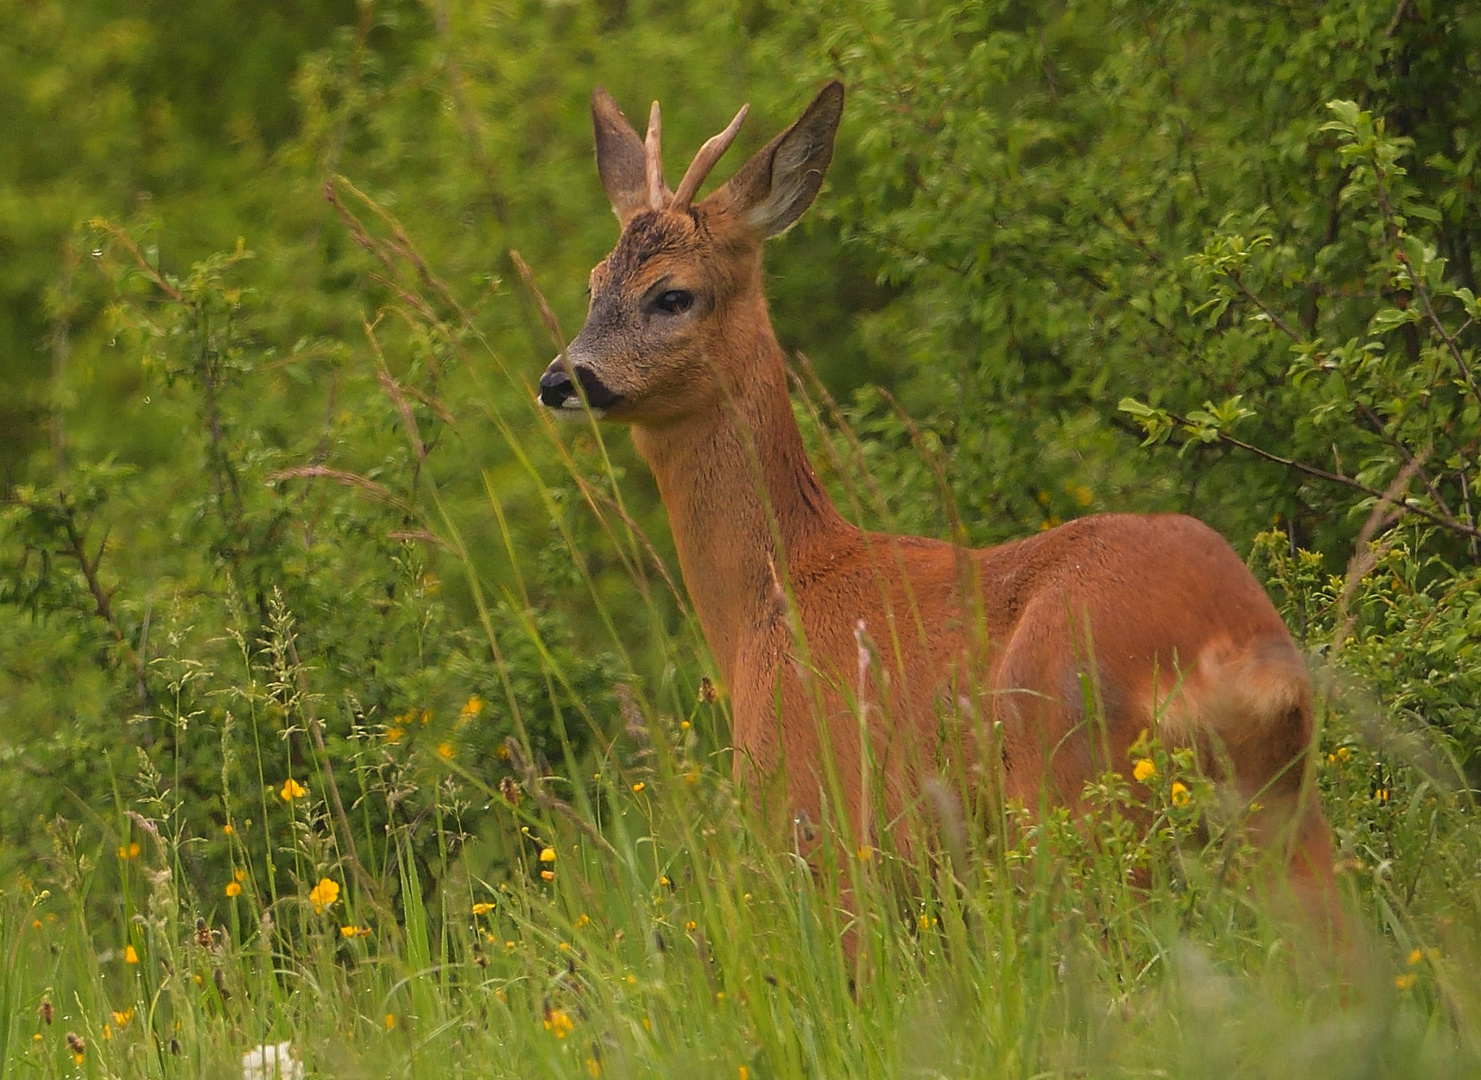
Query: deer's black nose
x,y
556,386
557,391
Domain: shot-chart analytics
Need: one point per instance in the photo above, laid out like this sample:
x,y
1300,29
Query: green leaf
x,y
1390,319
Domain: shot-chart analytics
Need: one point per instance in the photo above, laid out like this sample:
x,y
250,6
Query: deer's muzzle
x,y
559,391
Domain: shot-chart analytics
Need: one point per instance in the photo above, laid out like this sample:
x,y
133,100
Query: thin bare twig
x,y
1385,513
349,479
1440,519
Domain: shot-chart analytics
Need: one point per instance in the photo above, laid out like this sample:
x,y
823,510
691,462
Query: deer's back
x,y
1136,618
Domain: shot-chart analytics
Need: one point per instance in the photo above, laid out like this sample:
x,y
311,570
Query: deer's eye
x,y
674,301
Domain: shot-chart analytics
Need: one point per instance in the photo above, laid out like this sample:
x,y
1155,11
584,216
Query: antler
x,y
704,161
653,153
711,152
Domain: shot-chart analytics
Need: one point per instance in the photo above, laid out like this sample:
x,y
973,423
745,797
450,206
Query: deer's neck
x,y
743,500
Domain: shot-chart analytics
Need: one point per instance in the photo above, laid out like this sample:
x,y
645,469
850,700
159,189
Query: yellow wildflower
x,y
292,789
240,874
1144,770
229,829
470,710
558,1022
582,920
483,907
395,734
638,787
547,854
743,1073
121,1018
354,931
1404,982
1180,795
446,751
324,894
1415,957
128,851
233,888
548,875
130,955
390,1021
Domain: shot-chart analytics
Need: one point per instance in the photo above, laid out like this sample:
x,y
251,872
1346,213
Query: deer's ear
x,y
620,157
781,181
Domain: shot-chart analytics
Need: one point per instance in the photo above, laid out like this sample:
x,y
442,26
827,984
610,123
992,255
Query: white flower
x,y
271,1062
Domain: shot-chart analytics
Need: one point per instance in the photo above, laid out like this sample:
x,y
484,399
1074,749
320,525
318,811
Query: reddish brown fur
x,y
1177,626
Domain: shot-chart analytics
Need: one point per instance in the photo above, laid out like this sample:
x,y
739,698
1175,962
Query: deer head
x,y
677,306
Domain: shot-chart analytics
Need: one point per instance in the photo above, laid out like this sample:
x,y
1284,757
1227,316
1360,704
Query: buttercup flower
x,y
547,854
1180,795
130,955
483,907
233,888
128,851
1144,770
324,894
558,1022
292,789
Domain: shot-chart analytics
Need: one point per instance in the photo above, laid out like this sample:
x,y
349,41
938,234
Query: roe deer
x,y
1155,613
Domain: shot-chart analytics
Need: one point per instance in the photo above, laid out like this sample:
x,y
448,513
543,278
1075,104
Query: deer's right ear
x,y
620,157
781,181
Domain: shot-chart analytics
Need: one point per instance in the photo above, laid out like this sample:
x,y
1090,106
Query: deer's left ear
x,y
620,157
774,188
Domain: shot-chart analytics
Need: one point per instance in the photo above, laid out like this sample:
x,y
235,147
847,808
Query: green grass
x,y
683,942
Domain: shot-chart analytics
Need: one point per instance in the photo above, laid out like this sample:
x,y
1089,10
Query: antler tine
x,y
653,148
704,161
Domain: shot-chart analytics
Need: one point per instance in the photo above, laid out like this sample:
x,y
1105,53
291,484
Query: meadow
x,y
353,719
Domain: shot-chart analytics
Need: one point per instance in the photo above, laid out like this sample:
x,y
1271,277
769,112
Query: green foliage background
x,y
270,361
